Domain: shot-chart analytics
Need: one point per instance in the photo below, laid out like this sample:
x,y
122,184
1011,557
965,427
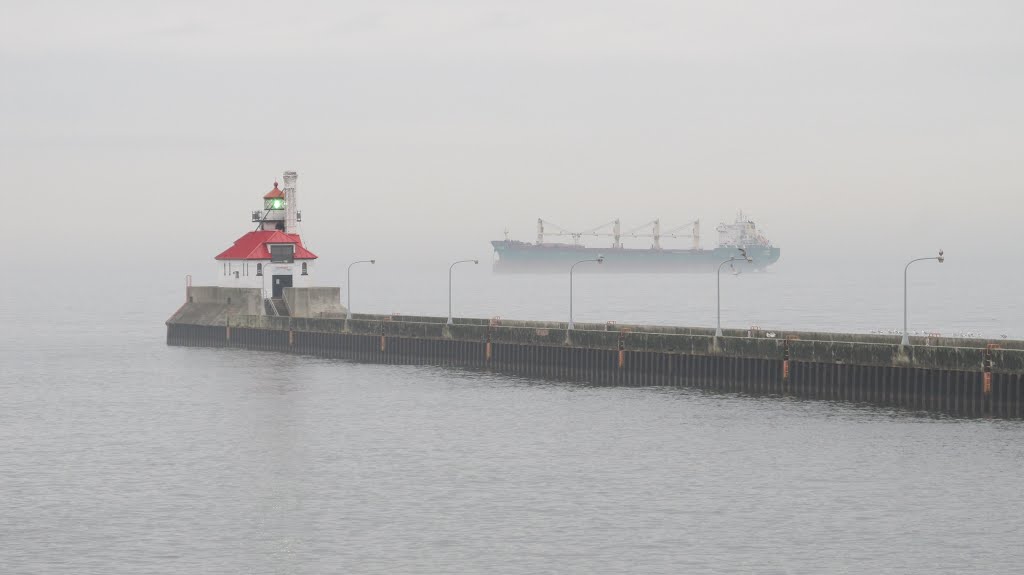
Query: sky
x,y
865,131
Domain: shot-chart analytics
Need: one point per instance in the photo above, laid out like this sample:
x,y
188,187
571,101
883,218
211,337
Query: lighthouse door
x,y
281,282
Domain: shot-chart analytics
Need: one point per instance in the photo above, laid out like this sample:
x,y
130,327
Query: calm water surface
x,y
121,455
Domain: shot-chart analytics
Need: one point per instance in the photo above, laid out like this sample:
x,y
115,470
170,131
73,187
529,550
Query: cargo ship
x,y
511,256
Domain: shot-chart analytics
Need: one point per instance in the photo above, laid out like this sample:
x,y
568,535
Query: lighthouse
x,y
271,257
266,272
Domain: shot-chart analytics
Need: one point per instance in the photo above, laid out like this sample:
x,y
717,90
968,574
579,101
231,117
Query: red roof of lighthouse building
x,y
275,193
253,246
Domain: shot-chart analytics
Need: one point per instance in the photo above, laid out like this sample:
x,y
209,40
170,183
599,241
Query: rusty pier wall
x,y
951,376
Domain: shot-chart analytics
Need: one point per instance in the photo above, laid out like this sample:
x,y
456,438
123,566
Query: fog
x,y
855,132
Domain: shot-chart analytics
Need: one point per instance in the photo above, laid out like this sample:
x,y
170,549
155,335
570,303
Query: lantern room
x,y
274,215
274,200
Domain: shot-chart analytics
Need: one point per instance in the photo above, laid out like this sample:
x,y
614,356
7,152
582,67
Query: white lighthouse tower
x,y
272,256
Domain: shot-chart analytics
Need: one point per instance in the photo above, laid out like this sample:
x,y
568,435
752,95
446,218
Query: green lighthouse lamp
x,y
274,200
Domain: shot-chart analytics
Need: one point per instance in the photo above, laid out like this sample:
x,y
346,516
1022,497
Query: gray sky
x,y
423,129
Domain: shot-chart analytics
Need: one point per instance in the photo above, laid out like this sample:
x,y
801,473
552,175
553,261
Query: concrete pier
x,y
964,377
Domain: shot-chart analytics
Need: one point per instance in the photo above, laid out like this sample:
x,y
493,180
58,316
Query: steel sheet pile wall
x,y
970,381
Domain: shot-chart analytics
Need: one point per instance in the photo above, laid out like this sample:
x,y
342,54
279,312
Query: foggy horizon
x,y
877,130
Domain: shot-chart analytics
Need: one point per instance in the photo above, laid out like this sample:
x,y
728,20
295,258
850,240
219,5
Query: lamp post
x,y
940,258
450,268
746,258
600,260
348,286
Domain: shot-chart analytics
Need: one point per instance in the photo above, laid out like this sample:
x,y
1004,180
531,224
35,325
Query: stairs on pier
x,y
276,306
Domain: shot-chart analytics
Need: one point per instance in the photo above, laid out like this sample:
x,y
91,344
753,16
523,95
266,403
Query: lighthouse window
x,y
259,269
282,254
305,271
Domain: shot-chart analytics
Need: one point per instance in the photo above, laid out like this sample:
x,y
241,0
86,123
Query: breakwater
x,y
956,376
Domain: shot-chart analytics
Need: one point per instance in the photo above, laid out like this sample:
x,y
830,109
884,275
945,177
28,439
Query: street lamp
x,y
450,322
743,252
600,260
348,286
941,258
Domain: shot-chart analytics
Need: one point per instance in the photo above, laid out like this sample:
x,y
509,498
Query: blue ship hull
x,y
521,257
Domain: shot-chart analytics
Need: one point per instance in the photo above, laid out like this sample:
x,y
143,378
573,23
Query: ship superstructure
x,y
741,233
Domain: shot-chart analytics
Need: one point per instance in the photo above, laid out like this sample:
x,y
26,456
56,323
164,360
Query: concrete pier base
x,y
972,378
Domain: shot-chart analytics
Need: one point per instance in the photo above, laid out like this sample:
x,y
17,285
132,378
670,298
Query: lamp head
x,y
600,259
373,261
476,261
942,257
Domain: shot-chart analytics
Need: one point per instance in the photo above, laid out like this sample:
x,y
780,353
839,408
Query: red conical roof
x,y
275,193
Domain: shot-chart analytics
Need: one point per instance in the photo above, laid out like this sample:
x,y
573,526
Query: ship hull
x,y
521,257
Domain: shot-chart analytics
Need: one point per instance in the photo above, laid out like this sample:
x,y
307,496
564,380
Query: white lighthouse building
x,y
266,272
272,256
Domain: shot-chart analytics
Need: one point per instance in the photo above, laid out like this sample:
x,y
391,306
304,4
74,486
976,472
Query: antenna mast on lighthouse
x,y
290,204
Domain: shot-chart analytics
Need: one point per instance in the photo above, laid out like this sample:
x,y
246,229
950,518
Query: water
x,y
121,455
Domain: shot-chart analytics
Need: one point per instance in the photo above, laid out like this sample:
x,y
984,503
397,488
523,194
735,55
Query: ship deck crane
x,y
657,234
544,227
595,232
